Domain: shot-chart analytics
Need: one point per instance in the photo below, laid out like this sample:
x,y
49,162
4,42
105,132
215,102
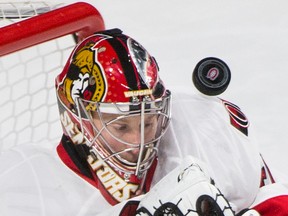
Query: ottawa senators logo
x,y
84,78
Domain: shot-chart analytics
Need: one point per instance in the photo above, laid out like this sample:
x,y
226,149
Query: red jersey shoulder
x,y
237,118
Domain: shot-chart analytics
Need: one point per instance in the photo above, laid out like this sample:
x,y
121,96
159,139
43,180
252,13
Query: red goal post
x,y
80,18
36,39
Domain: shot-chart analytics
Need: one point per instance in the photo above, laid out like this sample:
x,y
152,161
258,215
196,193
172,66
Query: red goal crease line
x,y
81,18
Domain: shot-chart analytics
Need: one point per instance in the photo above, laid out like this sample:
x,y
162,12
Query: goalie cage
x,y
36,40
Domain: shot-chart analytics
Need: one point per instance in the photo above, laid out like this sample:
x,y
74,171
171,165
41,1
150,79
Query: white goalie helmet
x,y
111,92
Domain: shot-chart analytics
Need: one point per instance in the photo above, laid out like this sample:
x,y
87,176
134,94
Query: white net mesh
x,y
29,112
19,10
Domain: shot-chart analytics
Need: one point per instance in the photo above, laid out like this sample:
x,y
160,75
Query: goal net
x,y
36,40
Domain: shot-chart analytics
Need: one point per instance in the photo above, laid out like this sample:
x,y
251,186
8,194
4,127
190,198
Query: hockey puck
x,y
211,76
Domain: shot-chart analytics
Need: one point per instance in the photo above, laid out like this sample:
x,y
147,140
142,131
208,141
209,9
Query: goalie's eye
x,y
119,128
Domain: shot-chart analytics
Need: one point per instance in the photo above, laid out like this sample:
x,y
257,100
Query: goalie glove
x,y
187,190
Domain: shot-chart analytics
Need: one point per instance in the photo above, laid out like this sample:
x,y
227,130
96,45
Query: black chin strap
x,y
78,154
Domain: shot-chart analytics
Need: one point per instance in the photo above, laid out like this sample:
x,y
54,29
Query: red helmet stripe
x,y
134,82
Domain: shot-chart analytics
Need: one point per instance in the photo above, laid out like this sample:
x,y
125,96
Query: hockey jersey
x,y
34,181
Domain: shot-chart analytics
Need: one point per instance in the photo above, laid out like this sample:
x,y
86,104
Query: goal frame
x,y
79,18
28,100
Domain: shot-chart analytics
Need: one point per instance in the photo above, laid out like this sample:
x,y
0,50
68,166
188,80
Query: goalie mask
x,y
111,98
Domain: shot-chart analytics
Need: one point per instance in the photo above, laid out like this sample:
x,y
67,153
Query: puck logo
x,y
213,73
237,117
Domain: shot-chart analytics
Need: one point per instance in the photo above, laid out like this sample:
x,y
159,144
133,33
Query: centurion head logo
x,y
84,78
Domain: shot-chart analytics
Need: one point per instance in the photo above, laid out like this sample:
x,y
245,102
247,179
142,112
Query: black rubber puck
x,y
211,76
